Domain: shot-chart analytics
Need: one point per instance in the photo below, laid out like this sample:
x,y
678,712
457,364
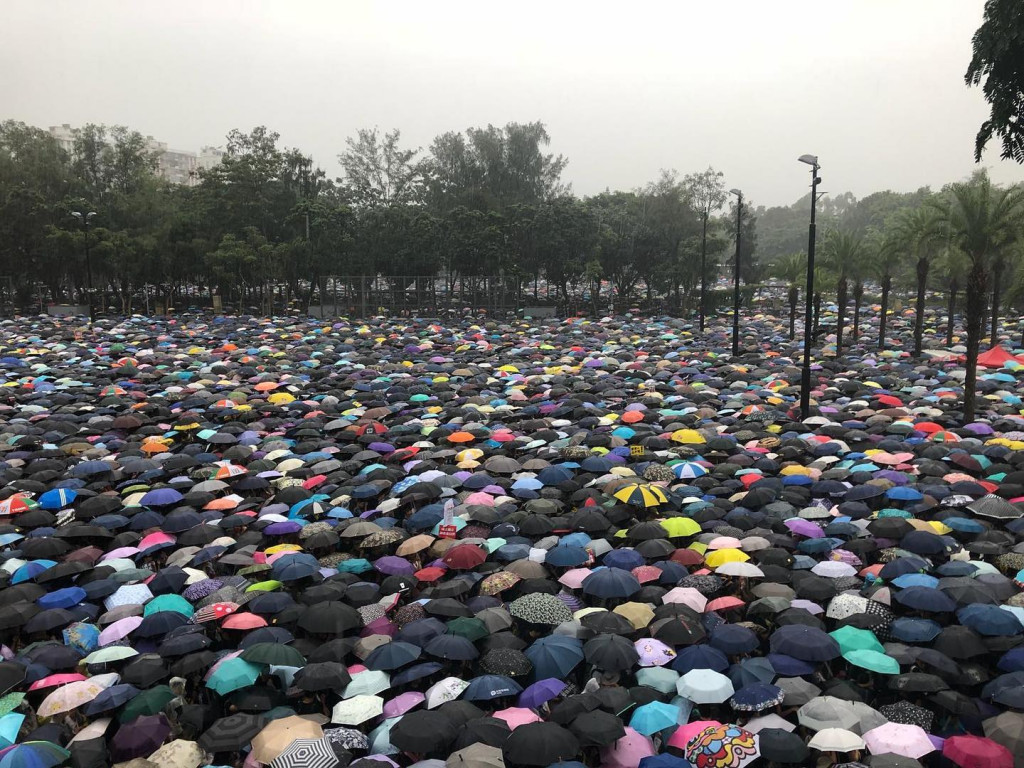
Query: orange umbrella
x,y
460,437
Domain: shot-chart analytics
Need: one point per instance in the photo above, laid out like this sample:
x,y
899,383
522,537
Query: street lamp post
x,y
805,373
85,218
736,276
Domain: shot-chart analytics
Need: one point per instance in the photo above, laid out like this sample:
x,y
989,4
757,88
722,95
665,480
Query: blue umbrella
x,y
908,580
611,582
566,556
788,666
452,648
62,598
902,566
291,567
91,468
111,698
734,639
487,687
904,493
625,559
554,656
653,717
392,655
757,669
910,630
804,643
926,599
161,497
30,570
699,657
756,697
989,620
58,498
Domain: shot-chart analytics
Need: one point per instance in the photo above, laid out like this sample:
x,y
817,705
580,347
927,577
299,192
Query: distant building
x,y
175,165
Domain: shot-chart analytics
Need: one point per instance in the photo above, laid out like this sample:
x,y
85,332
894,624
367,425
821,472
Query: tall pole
x,y
805,374
703,273
736,278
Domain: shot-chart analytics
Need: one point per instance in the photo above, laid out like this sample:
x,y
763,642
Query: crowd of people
x,y
298,543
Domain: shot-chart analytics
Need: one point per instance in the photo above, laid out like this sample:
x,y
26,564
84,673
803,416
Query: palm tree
x,y
842,250
792,268
984,221
883,264
918,232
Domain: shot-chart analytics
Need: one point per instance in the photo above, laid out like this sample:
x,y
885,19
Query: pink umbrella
x,y
54,680
516,716
484,499
574,579
155,539
687,596
628,751
117,554
684,733
653,653
968,751
402,703
119,630
900,739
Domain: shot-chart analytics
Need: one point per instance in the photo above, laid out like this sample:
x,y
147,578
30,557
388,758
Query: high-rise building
x,y
174,165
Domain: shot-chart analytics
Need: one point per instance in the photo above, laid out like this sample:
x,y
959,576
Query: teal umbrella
x,y
169,603
10,724
233,674
874,661
653,717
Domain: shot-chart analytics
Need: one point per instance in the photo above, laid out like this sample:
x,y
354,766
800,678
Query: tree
x,y
792,268
842,250
379,173
917,232
707,195
998,52
984,222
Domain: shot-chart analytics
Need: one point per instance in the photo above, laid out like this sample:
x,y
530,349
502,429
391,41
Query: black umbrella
x,y
611,653
232,733
323,676
11,675
781,746
423,731
484,730
540,744
597,728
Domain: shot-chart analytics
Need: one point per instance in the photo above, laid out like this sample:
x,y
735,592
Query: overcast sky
x,y
874,87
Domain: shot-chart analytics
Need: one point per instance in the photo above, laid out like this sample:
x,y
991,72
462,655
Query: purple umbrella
x,y
540,692
804,527
139,738
392,565
282,528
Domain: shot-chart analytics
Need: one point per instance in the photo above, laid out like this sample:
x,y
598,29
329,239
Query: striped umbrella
x,y
641,495
306,753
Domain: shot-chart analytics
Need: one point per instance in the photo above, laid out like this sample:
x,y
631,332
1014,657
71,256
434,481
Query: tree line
x,y
489,201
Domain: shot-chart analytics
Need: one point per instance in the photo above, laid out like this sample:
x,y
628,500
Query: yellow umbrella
x,y
723,556
282,548
680,526
641,495
688,437
638,614
276,737
279,398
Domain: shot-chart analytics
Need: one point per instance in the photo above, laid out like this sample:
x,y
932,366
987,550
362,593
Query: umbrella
x,y
705,686
476,756
968,750
540,744
423,731
836,740
279,734
781,746
143,736
33,754
722,746
231,733
306,753
900,739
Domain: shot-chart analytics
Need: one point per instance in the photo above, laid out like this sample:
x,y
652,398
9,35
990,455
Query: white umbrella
x,y
705,686
827,712
748,570
357,710
836,740
687,596
445,690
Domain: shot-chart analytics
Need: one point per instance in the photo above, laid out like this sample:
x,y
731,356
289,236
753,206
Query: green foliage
x,y
996,66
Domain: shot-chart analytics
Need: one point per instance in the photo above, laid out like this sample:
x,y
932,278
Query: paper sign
x,y
447,531
636,450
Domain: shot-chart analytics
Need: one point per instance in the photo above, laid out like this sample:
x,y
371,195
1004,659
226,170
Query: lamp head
x,y
809,159
736,192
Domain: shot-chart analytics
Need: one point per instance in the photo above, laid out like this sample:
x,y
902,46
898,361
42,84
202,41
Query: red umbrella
x,y
464,557
970,751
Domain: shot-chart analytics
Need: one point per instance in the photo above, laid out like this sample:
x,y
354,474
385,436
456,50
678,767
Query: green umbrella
x,y
111,653
853,639
472,629
169,603
274,653
874,661
233,674
149,702
265,586
10,702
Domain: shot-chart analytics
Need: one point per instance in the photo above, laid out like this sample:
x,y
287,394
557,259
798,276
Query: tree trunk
x,y
953,288
703,273
794,298
886,287
841,291
858,298
997,276
974,312
922,281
